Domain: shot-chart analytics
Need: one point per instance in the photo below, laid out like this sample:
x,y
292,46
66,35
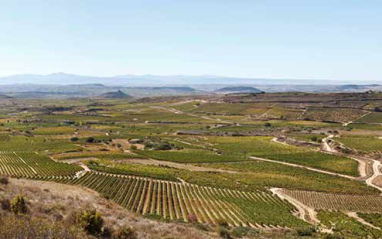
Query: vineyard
x,y
333,114
188,202
327,201
32,165
169,200
363,144
372,118
206,160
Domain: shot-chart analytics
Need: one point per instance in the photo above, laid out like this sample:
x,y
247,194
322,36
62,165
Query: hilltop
x,y
115,95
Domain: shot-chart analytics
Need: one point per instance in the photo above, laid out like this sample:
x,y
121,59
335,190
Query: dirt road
x,y
376,173
347,123
306,213
304,167
361,220
325,145
177,165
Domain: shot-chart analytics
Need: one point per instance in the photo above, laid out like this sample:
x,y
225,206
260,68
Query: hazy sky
x,y
255,38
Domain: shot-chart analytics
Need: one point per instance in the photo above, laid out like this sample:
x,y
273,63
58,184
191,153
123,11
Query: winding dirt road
x,y
376,173
361,165
328,149
306,213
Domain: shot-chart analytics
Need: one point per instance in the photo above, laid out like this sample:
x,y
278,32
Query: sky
x,y
326,39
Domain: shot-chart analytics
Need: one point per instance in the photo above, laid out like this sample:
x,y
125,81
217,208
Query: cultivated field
x,y
210,160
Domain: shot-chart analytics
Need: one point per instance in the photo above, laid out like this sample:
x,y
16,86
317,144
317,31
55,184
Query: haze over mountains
x,y
155,80
63,86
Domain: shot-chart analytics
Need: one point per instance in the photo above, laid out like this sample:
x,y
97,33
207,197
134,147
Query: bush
x,y
91,221
133,147
222,223
333,236
163,146
74,139
125,233
90,140
5,204
313,138
306,231
4,180
224,233
18,205
267,125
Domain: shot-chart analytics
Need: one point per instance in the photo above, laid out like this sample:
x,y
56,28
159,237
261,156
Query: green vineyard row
x,y
188,202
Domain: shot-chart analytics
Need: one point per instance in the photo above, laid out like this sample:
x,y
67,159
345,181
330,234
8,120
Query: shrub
x,y
224,233
125,233
163,146
313,138
74,139
18,205
90,140
4,180
133,147
5,204
222,223
91,221
333,236
306,231
267,125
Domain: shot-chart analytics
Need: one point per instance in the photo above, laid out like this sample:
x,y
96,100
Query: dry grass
x,y
58,202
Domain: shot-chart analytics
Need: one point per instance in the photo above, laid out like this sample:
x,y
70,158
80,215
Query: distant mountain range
x,y
156,80
62,86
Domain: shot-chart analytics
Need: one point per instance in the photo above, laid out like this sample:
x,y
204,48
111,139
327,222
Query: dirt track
x,y
177,165
306,213
361,220
305,167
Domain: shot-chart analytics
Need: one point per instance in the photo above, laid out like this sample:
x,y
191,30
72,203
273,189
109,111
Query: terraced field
x,y
373,118
32,165
187,202
333,114
363,144
327,201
